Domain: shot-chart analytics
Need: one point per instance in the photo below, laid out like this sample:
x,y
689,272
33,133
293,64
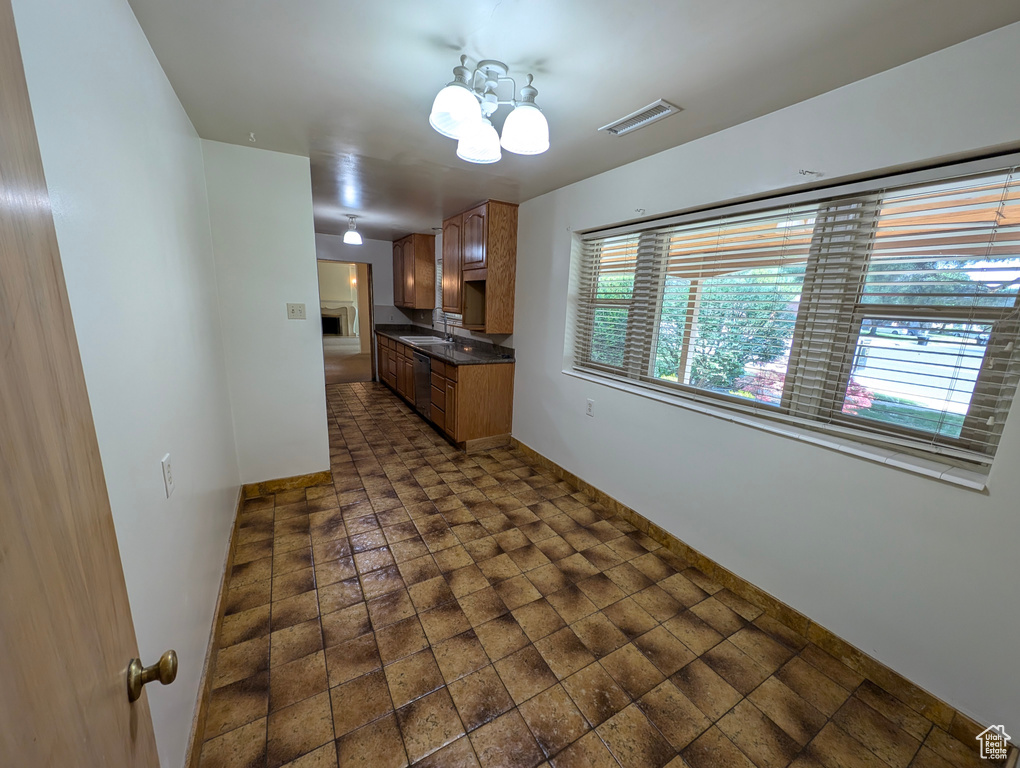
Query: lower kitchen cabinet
x,y
471,404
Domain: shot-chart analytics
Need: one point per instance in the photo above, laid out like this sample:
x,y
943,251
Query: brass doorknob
x,y
165,670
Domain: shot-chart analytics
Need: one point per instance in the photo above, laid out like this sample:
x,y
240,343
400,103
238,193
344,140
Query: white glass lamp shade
x,y
455,112
526,131
481,145
352,236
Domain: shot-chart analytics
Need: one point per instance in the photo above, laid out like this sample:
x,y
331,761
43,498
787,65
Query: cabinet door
x,y
408,378
398,273
451,409
452,257
474,236
409,264
401,376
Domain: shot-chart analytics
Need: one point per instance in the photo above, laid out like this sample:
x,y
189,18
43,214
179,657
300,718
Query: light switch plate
x,y
295,311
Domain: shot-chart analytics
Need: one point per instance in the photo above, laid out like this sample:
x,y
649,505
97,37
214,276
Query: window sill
x,y
936,470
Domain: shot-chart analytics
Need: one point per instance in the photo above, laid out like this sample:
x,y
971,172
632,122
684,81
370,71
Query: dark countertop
x,y
460,352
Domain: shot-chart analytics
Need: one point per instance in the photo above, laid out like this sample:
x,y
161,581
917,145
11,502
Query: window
x,y
890,314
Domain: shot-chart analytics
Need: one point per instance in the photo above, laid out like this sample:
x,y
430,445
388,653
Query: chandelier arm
x,y
471,81
503,79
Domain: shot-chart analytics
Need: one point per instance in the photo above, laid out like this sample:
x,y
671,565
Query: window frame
x,y
895,312
640,347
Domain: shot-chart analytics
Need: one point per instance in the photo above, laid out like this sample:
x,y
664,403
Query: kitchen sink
x,y
424,340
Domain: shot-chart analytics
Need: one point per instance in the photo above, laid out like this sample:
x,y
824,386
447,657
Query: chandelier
x,y
462,111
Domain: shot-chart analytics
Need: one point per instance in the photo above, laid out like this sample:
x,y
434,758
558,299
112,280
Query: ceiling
x,y
350,84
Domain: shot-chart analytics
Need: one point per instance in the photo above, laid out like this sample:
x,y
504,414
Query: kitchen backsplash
x,y
424,318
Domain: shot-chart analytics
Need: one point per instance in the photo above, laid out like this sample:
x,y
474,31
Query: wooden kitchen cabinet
x,y
396,366
451,404
471,404
414,272
486,251
398,273
474,237
452,246
387,356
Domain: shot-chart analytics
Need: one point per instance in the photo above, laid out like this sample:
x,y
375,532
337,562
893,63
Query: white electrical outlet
x,y
295,311
168,476
589,409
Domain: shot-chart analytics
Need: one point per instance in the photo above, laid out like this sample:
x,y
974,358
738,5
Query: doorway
x,y
345,307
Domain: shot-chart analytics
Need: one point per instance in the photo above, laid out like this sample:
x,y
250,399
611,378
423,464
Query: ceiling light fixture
x,y
462,111
352,236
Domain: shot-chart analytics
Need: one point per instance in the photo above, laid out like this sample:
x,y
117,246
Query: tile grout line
x,y
371,437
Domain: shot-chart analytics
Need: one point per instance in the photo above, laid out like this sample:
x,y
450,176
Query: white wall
x,y
917,573
260,207
125,174
335,282
378,254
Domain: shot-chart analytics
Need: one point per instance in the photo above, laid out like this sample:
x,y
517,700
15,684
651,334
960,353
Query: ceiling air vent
x,y
650,114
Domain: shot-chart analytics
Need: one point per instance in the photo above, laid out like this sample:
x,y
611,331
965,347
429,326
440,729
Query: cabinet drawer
x,y
438,381
439,397
451,372
438,367
438,415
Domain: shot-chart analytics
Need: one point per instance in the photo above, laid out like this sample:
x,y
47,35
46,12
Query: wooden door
x,y
452,257
410,259
398,273
66,635
423,272
402,382
451,409
474,238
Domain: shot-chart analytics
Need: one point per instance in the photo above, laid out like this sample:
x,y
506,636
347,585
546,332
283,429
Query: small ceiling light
x,y
481,145
463,109
352,236
525,130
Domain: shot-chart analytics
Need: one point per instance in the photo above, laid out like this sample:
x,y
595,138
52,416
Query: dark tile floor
x,y
436,609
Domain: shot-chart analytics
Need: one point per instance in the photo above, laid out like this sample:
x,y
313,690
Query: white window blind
x,y
889,314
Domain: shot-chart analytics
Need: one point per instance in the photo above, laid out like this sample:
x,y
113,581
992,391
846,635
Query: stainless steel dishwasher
x,y
422,384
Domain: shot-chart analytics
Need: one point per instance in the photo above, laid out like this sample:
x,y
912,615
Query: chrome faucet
x,y
446,329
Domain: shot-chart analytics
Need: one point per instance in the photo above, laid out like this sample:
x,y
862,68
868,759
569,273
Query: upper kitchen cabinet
x,y
474,237
398,273
487,254
414,272
453,229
